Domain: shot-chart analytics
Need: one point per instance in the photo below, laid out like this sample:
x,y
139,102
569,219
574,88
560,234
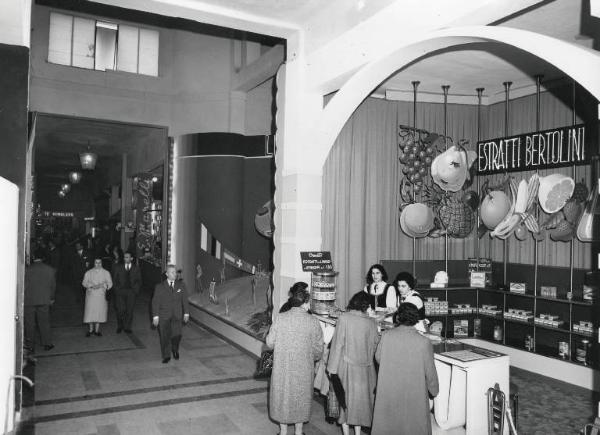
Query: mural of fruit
x,y
555,190
493,208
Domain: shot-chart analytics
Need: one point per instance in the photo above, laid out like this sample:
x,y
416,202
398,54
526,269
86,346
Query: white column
x,y
298,175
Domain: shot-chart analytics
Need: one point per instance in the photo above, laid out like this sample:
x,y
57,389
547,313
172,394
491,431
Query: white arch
x,y
581,64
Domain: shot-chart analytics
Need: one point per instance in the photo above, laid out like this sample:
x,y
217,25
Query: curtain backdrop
x,y
361,180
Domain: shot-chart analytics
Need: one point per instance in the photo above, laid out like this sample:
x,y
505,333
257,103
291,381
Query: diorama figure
x,y
212,296
199,288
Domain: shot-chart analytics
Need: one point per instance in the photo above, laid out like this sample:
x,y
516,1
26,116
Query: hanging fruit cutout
x,y
450,169
494,207
555,190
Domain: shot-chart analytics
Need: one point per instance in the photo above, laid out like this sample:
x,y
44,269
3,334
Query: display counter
x,y
465,374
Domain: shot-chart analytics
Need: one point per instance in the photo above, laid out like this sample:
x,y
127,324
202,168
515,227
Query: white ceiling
x,y
488,65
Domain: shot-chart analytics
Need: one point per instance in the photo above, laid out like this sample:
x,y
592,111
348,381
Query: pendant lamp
x,y
74,177
65,187
88,159
62,194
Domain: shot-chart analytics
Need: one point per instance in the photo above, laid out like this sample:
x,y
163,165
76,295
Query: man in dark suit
x,y
169,309
127,281
40,287
81,263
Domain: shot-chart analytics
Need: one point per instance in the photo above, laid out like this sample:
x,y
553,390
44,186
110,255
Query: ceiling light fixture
x,y
74,177
62,194
65,187
88,159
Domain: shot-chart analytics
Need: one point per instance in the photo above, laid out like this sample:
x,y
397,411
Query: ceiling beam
x,y
259,71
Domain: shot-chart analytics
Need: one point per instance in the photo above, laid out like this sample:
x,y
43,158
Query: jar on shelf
x,y
322,295
498,333
582,352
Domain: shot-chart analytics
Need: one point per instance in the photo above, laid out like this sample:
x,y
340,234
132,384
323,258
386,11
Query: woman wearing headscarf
x,y
297,342
407,378
96,281
351,358
381,294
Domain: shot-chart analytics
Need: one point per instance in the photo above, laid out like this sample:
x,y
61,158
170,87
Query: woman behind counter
x,y
381,294
297,342
407,376
96,282
405,286
351,358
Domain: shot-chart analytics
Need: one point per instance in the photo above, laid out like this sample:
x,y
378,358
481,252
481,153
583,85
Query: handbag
x,y
265,364
333,405
108,294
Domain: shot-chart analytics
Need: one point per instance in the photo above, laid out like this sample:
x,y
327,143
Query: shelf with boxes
x,y
553,327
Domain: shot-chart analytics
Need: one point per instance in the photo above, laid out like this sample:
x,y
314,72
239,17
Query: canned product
x,y
563,349
498,333
581,353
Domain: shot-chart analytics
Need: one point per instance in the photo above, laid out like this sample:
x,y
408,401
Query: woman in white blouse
x,y
96,282
381,294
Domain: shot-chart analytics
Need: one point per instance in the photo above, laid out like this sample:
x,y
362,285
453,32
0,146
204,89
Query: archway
x,y
567,57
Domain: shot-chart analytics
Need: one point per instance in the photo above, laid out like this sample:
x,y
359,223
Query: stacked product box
x,y
516,314
490,310
434,306
550,320
461,309
584,326
548,291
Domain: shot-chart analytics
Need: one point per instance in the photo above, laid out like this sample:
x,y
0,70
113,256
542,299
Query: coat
x,y
297,340
407,376
118,277
167,303
352,358
40,284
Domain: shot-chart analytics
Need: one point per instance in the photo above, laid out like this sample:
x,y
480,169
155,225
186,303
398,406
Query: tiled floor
x,y
117,385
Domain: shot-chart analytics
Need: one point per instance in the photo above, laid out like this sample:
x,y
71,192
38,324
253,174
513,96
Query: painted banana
x,y
512,219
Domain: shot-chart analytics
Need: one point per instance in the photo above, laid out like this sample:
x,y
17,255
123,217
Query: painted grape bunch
x,y
418,148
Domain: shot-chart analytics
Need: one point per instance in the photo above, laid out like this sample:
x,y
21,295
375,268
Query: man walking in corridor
x,y
127,280
169,308
40,287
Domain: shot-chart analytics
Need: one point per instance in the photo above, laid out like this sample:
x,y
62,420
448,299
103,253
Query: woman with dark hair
x,y
405,284
407,377
351,359
381,294
297,342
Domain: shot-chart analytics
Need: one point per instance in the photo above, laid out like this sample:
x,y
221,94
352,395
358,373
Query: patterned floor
x,y
117,385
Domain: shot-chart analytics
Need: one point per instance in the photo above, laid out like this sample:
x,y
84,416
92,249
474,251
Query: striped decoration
x,y
212,246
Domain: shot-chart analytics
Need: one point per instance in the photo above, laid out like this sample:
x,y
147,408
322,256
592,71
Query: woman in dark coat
x,y
352,359
407,377
297,341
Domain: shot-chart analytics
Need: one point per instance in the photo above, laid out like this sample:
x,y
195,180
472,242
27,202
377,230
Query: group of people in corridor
x,y
100,282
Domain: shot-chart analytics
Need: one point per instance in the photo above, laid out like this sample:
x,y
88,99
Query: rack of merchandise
x,y
563,329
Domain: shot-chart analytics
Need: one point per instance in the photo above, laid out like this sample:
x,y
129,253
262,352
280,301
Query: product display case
x,y
322,300
554,327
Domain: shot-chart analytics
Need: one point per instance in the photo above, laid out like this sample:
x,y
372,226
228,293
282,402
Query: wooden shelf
x,y
550,328
512,335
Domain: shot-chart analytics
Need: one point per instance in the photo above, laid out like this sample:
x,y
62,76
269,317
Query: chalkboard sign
x,y
316,261
554,148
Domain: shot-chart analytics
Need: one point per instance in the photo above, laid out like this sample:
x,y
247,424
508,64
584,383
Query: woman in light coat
x,y
297,342
96,282
351,358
